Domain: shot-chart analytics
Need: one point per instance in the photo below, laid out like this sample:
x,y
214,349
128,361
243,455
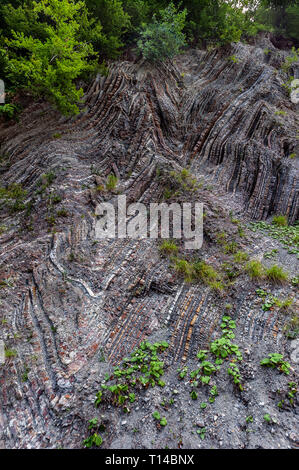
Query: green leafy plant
x,y
157,416
233,370
287,235
202,354
290,60
163,422
8,110
287,397
141,370
223,348
202,433
269,303
93,440
93,423
293,389
214,391
271,254
261,293
182,372
267,418
227,324
98,399
276,360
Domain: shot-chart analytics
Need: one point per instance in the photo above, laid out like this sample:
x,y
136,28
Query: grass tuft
x,y
280,221
168,247
276,274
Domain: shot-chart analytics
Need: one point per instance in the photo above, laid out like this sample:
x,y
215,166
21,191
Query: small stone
x,y
293,437
200,424
54,401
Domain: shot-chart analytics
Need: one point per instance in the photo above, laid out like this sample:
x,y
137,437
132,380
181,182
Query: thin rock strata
x,y
72,306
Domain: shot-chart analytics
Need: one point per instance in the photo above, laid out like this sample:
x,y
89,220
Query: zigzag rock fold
x,y
73,306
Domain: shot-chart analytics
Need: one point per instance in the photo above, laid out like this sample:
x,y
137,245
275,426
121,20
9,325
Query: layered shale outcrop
x,y
72,305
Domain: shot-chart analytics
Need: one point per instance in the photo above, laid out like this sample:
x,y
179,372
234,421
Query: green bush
x,y
163,39
47,64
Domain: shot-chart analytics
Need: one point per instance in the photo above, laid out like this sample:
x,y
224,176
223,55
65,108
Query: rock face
x,y
72,306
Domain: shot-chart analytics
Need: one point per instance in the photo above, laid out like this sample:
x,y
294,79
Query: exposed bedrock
x,y
223,111
69,300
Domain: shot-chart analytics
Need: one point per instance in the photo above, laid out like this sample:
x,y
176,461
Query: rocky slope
x,y
72,307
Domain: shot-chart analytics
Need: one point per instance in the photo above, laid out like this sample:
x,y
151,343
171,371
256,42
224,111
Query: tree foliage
x,y
114,23
47,45
280,16
163,38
